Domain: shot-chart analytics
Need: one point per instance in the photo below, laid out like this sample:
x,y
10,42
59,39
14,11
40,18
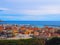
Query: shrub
x,y
23,42
53,41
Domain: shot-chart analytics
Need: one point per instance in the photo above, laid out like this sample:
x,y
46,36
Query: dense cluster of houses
x,y
13,31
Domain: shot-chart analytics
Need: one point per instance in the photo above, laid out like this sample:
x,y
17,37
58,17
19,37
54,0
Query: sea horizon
x,y
36,23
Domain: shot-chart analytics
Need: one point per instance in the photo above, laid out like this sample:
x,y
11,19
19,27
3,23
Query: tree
x,y
53,41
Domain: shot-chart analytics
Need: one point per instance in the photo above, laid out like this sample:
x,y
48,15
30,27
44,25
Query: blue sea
x,y
39,23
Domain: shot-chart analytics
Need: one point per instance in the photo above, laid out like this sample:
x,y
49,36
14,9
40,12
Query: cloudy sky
x,y
30,10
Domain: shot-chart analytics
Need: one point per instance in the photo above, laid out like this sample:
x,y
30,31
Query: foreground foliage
x,y
53,41
23,42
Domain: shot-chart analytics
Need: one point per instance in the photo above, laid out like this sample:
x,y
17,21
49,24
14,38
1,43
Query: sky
x,y
30,10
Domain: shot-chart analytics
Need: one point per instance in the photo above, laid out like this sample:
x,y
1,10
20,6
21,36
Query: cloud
x,y
31,18
11,17
33,7
41,10
3,9
22,0
32,0
30,9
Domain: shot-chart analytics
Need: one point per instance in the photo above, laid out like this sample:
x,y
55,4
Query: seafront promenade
x,y
14,31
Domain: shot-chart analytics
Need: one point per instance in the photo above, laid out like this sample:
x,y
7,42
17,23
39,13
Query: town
x,y
14,31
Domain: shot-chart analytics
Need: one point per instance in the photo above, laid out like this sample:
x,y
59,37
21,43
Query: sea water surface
x,y
39,23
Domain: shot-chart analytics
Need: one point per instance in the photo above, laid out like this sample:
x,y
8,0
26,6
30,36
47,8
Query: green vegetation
x,y
34,41
23,42
53,41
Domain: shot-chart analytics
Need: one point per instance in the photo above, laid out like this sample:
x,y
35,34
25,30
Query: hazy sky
x,y
30,10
